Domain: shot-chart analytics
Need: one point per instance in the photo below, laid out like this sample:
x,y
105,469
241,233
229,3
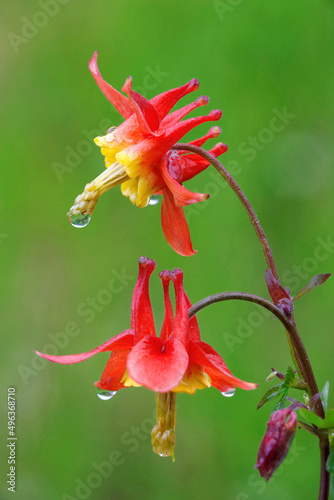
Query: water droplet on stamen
x,y
80,220
105,395
229,393
154,200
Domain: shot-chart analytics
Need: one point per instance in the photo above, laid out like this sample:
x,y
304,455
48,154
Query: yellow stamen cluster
x,y
128,381
194,378
163,433
111,177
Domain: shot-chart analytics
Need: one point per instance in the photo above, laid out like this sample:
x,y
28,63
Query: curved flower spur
x,y
177,361
138,156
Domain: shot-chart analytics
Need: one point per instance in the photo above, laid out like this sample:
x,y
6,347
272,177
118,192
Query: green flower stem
x,y
247,206
302,360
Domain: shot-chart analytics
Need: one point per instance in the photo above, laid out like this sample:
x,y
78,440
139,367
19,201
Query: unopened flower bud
x,y
275,445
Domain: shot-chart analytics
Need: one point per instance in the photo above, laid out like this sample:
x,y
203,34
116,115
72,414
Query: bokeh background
x,y
256,60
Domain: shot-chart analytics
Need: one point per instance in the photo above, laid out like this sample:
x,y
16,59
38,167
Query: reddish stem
x,y
302,360
247,206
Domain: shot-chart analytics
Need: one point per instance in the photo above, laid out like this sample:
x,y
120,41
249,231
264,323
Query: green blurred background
x,y
255,60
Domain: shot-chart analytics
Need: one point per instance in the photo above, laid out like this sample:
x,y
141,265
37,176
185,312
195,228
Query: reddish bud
x,y
280,297
275,445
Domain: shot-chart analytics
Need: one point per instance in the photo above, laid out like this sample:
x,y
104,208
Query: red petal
x,y
181,322
174,225
164,102
194,333
221,377
157,366
182,196
121,103
213,132
124,340
142,321
114,371
146,113
168,322
177,115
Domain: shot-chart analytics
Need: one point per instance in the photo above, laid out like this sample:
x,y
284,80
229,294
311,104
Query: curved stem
x,y
301,354
301,358
250,212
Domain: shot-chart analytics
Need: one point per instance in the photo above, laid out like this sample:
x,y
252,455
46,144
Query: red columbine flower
x,y
138,156
275,445
177,361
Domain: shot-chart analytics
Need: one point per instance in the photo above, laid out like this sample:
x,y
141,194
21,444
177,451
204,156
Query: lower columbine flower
x,y
275,445
177,361
138,156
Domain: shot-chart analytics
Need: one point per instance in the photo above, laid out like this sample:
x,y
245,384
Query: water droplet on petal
x,y
229,393
105,395
154,200
111,129
80,220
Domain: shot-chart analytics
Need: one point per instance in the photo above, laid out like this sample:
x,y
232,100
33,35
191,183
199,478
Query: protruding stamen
x,y
163,433
111,177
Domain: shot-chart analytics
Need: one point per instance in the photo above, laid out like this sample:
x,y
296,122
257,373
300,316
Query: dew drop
x,y
111,129
80,220
154,200
229,393
105,395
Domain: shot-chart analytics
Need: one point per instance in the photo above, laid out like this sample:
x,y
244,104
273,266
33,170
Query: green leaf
x,y
311,417
273,393
332,485
324,397
317,280
283,402
330,418
289,377
330,463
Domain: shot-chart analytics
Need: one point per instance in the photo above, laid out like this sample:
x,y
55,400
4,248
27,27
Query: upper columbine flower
x,y
138,156
177,361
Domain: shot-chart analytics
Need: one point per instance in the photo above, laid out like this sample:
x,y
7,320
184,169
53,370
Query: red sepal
x,y
114,372
146,113
213,364
174,225
121,103
182,196
124,340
